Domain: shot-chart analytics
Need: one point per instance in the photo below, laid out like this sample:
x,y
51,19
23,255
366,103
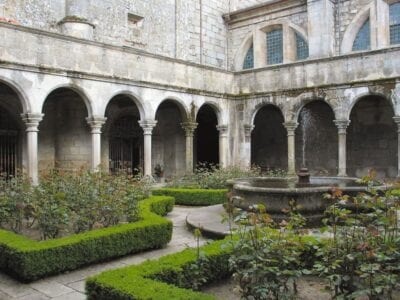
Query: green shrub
x,y
213,177
66,202
165,278
200,197
29,260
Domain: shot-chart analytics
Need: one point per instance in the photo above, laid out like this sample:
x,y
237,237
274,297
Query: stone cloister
x,y
326,95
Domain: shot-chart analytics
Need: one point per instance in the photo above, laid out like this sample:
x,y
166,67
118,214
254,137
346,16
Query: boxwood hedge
x,y
28,260
194,197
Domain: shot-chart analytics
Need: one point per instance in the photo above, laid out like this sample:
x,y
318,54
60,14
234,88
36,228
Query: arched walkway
x,y
64,135
169,139
206,138
269,139
122,141
317,139
372,138
11,132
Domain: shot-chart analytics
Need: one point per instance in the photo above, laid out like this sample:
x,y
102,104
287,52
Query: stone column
x,y
147,126
291,128
95,124
397,121
246,154
223,145
189,128
32,123
342,131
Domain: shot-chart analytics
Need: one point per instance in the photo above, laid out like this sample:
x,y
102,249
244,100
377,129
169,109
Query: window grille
x,y
394,11
275,47
363,38
249,59
301,48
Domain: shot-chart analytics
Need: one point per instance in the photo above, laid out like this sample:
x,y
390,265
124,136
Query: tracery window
x,y
394,17
301,47
363,38
275,47
249,59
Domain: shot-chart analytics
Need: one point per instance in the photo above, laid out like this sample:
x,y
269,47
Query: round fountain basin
x,y
275,194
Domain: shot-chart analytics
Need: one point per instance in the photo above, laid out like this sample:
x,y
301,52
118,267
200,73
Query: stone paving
x,y
71,286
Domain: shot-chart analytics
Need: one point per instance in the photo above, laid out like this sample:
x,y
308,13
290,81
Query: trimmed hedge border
x,y
144,281
28,260
194,197
166,278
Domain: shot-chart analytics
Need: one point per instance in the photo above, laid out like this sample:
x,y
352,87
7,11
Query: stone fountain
x,y
308,192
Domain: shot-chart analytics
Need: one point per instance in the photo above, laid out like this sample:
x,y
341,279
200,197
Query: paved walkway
x,y
71,286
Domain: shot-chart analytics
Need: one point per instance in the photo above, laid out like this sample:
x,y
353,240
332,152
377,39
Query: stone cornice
x,y
261,9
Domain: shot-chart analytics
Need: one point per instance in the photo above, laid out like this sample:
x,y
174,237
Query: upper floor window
x,y
249,59
301,47
275,47
363,38
394,12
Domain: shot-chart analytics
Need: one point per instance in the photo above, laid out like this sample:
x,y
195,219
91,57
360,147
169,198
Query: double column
x,y
189,128
32,128
342,137
96,124
291,128
147,126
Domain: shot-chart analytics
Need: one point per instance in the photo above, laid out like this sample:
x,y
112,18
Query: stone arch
x,y
135,100
354,27
184,110
242,51
260,105
269,138
316,137
206,140
18,90
372,137
361,95
216,108
64,134
78,90
304,100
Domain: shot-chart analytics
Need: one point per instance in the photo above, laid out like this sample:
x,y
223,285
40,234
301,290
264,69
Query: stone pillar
x,y
32,123
147,126
291,128
397,121
189,128
95,124
248,128
342,131
223,145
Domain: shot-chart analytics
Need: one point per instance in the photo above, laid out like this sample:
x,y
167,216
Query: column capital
x,y
32,121
96,123
342,125
148,126
189,127
290,127
223,129
248,128
396,119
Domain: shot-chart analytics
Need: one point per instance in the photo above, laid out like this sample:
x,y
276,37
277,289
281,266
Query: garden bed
x,y
28,260
194,197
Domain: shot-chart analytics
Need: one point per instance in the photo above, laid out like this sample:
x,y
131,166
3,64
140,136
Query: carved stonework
x,y
96,123
290,127
148,126
342,125
32,121
189,128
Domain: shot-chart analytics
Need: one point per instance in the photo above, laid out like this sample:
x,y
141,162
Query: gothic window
x,y
249,59
394,11
363,38
301,47
275,47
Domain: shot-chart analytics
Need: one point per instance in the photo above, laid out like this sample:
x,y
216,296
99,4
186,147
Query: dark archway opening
x,y
269,140
372,138
169,144
207,137
11,132
64,135
317,139
123,136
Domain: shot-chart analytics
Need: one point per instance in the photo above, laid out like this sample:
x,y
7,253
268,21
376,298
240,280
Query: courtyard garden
x,y
71,220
